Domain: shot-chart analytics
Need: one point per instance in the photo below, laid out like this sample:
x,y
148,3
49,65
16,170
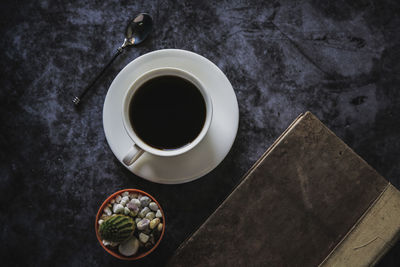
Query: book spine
x,y
373,234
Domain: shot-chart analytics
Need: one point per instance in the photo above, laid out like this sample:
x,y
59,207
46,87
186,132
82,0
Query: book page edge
x,y
375,232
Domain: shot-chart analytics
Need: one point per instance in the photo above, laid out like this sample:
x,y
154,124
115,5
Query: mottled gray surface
x,y
338,59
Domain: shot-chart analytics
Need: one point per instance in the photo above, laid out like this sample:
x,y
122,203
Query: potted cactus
x,y
130,224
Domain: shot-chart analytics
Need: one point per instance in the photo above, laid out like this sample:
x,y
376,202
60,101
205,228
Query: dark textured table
x,y
338,59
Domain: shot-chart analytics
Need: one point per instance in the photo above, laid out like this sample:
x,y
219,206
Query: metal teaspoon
x,y
136,32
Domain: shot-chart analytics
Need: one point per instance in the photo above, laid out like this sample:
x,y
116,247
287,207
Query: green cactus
x,y
117,228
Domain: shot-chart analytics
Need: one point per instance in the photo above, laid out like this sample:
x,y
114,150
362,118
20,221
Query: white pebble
x,y
108,211
118,208
153,206
143,212
129,247
132,214
145,201
127,211
112,201
159,227
137,220
135,201
100,221
150,215
125,194
143,224
124,200
143,237
133,195
154,223
109,243
118,199
133,208
158,214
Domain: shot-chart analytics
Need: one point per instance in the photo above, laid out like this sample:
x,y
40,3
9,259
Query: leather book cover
x,y
308,201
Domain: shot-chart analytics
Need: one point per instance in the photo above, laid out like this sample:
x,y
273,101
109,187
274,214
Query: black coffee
x,y
167,112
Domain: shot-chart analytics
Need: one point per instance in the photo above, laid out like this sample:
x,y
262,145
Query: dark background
x,y
338,59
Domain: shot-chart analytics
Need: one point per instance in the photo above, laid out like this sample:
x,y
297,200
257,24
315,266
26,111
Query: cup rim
x,y
99,212
156,73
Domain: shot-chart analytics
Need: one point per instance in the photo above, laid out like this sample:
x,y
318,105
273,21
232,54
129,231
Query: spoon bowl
x,y
138,29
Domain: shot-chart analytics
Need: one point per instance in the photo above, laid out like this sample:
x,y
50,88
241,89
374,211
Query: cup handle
x,y
133,154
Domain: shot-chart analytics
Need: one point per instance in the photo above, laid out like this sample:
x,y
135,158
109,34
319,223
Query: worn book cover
x,y
308,201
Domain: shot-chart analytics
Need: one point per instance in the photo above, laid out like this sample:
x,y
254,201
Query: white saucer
x,y
209,152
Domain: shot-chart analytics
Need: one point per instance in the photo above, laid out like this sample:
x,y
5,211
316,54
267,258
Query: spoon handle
x,y
77,99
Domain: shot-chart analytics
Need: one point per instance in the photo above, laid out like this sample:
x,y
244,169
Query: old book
x,y
308,201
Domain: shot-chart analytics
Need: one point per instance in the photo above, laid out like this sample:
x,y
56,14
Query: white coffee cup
x,y
139,146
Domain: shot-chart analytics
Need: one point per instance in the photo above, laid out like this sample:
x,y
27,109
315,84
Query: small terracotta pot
x,y
100,212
